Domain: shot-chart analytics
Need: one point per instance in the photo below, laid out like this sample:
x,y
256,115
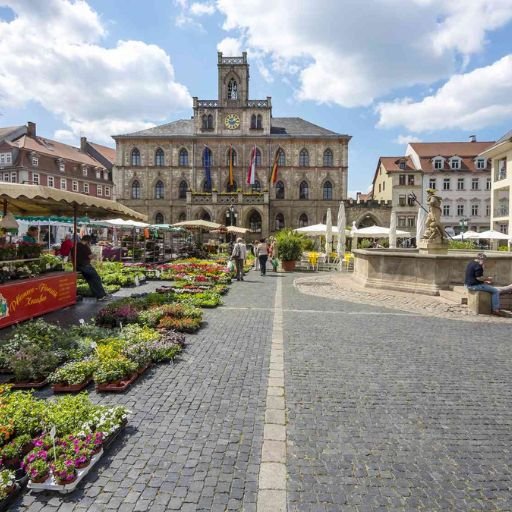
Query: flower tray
x,y
52,485
28,385
107,442
118,387
73,388
7,502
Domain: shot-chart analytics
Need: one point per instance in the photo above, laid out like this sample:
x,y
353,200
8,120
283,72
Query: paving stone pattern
x,y
395,412
195,435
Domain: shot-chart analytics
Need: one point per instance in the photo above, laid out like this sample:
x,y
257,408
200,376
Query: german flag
x,y
275,166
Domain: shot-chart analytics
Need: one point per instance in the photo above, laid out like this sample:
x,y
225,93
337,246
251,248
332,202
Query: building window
x,y
383,186
282,158
401,221
183,157
503,229
438,163
233,154
159,218
255,222
410,179
259,122
455,163
488,184
159,157
253,122
474,184
303,220
474,210
182,190
182,217
258,158
74,186
99,190
328,158
232,188
35,161
62,166
446,210
86,188
410,201
6,177
279,221
135,157
35,178
432,183
480,163
207,158
204,123
411,222
257,186
502,169
84,171
63,184
380,187
232,90
98,174
304,158
401,179
135,190
303,190
5,158
327,195
207,187
460,184
209,124
159,190
487,210
107,191
446,184
279,190
402,200
14,177
460,210
402,164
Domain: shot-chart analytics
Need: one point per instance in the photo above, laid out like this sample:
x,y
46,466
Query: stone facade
x,y
161,171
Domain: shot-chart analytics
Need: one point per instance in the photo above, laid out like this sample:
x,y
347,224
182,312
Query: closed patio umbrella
x,y
328,233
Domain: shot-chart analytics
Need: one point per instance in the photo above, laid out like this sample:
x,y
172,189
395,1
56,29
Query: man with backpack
x,y
238,256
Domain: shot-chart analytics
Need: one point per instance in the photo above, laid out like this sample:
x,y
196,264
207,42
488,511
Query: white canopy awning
x,y
319,230
378,232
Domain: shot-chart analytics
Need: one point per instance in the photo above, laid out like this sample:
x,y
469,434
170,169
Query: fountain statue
x,y
433,241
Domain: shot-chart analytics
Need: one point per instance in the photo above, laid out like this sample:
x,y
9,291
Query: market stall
x,y
41,287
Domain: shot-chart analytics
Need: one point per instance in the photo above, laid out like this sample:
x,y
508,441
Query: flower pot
x,y
288,265
58,481
84,464
70,388
40,479
13,463
28,385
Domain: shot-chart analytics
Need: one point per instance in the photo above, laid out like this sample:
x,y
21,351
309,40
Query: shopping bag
x,y
231,266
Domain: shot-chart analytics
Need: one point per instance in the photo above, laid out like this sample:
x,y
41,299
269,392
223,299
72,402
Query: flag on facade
x,y
251,172
207,167
231,166
275,166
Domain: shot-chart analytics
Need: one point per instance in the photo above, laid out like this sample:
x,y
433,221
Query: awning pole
x,y
75,240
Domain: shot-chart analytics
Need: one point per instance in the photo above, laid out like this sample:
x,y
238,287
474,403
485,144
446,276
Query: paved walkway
x,y
386,410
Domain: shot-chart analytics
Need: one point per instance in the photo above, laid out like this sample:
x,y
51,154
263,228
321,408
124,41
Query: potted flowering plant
x,y
7,483
13,452
38,470
64,471
72,376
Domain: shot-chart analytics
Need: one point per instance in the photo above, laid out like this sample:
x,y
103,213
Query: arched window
x,y
159,190
233,157
135,156
205,216
207,187
279,190
182,190
279,221
303,220
253,122
327,190
210,122
207,157
159,218
232,90
231,188
304,158
304,190
159,157
327,158
282,158
182,217
135,190
204,124
257,186
259,122
183,157
258,157
255,222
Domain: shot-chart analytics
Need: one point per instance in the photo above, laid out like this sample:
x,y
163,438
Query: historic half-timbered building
x,y
197,168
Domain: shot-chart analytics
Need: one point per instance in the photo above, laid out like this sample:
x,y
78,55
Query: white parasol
x,y
392,230
328,233
341,221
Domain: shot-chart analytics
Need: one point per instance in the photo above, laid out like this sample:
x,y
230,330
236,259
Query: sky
x,y
386,72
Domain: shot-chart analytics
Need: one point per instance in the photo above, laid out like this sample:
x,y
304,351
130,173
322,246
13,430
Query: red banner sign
x,y
23,299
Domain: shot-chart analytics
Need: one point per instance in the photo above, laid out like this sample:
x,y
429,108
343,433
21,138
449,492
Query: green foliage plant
x,y
289,244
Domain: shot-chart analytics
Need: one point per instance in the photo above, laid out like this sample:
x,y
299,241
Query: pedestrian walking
x,y
238,256
262,250
83,264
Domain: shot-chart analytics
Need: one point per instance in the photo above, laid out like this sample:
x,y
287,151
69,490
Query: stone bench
x,y
479,303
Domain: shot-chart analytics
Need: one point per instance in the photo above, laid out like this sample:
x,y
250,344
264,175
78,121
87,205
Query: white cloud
x,y
230,47
66,136
467,101
200,9
406,139
353,53
51,51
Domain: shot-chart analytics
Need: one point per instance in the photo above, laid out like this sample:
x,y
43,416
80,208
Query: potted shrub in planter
x,y
38,470
64,471
289,248
72,377
115,374
31,365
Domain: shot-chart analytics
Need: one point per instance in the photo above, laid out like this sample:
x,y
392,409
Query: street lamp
x,y
463,224
231,217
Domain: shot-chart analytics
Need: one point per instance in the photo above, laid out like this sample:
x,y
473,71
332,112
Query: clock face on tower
x,y
232,121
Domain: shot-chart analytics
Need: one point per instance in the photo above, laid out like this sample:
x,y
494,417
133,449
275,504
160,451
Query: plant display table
x,y
27,298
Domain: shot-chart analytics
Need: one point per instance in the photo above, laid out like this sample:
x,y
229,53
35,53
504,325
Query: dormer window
x,y
402,164
5,158
62,166
35,160
232,90
481,163
438,163
455,163
84,170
